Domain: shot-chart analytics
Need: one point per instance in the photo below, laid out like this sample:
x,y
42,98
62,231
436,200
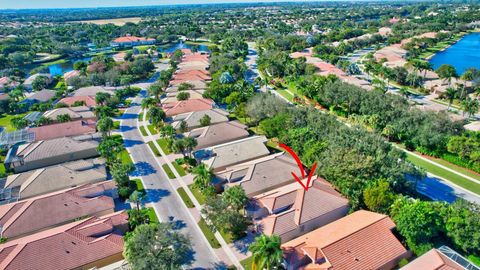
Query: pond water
x,y
462,55
61,68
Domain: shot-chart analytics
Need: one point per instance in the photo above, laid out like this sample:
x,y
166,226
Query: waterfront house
x,y
28,83
130,41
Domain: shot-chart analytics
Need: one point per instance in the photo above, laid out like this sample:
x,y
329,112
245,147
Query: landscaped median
x,y
154,148
197,194
164,145
450,176
208,234
143,131
168,171
152,129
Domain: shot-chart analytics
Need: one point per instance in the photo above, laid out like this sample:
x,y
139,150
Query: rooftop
x,y
218,133
67,129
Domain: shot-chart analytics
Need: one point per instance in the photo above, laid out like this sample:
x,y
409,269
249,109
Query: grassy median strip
x,y
139,185
125,157
116,124
154,148
143,131
152,129
247,263
185,198
168,171
179,169
140,117
152,215
208,234
164,145
197,194
454,178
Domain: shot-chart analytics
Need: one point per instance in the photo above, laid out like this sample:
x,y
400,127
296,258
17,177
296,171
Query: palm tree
x,y
156,90
190,144
155,116
451,94
149,103
137,197
203,176
266,252
404,91
470,106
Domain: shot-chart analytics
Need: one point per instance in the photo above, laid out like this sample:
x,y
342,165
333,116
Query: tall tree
x,y
202,176
235,197
266,252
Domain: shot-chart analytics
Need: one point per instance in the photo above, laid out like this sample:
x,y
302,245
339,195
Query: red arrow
x,y
300,166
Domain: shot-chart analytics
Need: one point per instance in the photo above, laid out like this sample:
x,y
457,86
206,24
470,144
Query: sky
x,y
22,4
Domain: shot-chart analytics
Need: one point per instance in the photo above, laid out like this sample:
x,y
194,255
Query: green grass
x,y
168,171
474,259
152,129
179,169
227,236
463,182
139,185
152,215
116,124
143,131
208,234
125,157
154,148
140,117
164,145
185,198
285,94
247,263
5,121
198,195
3,170
457,168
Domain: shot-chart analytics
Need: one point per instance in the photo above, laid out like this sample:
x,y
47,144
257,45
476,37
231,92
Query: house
x,y
54,209
130,41
40,154
193,118
197,85
362,240
290,211
171,97
42,96
221,156
443,258
88,101
71,74
75,113
92,91
385,31
89,243
473,126
6,82
53,178
185,106
218,134
67,129
28,83
259,175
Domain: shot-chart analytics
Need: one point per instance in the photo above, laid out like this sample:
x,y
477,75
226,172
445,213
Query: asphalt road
x,y
161,194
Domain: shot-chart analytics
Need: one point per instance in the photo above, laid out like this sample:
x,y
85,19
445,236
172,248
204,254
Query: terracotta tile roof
x,y
318,206
128,39
218,134
39,213
433,260
70,74
89,101
67,129
362,240
172,96
70,246
189,105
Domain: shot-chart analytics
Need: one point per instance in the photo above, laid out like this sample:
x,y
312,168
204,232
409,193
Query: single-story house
x,y
185,106
42,96
171,97
290,211
58,208
75,113
130,41
41,154
221,156
67,129
53,178
361,240
197,85
218,134
71,74
28,83
442,258
6,82
89,243
193,118
88,101
93,90
259,175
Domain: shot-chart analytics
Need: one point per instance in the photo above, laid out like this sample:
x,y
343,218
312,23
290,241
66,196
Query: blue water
x,y
181,45
462,55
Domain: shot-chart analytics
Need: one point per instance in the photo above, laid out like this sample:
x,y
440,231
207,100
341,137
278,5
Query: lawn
x,y
463,182
247,263
208,234
227,237
116,124
154,148
152,215
457,168
179,169
125,157
285,94
198,195
185,198
5,121
139,185
152,129
164,145
143,131
140,117
474,259
168,171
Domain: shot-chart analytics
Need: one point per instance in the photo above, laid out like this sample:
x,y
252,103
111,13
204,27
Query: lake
x,y
462,55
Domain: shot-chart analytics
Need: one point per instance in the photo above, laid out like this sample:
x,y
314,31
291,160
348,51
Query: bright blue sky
x,y
5,4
